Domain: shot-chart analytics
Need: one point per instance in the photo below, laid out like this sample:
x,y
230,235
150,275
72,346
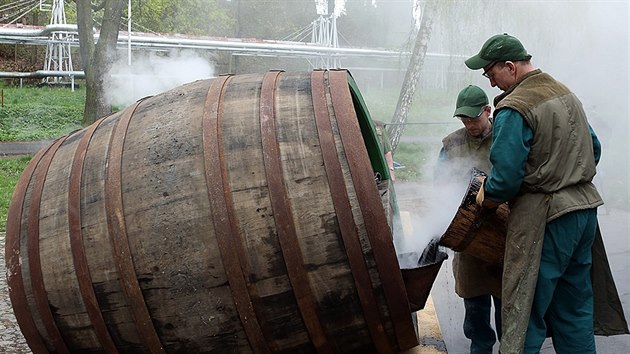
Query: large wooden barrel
x,y
233,215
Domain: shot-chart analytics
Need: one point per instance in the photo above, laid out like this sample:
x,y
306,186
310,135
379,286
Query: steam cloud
x,y
154,72
430,220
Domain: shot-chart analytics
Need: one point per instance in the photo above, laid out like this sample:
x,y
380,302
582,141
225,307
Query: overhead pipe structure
x,y
39,36
35,35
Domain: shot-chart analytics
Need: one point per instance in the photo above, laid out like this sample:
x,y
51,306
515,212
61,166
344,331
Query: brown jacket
x,y
460,153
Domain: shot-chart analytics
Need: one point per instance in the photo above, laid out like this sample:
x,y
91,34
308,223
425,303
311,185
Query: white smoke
x,y
429,222
151,73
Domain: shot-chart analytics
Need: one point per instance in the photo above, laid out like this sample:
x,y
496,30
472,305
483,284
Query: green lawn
x,y
33,113
430,118
10,170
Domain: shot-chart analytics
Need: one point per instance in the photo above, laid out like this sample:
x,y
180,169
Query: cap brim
x,y
467,111
476,63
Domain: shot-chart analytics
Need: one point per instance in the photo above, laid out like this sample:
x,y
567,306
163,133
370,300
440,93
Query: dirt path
x,y
12,148
11,339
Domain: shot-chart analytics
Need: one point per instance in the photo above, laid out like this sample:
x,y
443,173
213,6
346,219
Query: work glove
x,y
481,201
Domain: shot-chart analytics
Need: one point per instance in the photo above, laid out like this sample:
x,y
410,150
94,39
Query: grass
x,y
10,170
33,113
429,120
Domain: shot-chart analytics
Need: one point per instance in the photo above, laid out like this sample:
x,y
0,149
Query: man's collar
x,y
515,85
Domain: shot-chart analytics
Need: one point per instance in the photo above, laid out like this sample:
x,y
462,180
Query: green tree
x,y
194,17
97,58
265,19
412,76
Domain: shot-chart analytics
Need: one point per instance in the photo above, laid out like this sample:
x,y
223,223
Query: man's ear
x,y
511,65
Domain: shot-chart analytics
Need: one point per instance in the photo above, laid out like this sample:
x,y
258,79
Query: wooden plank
x,y
372,210
13,258
78,247
37,279
344,215
285,224
226,229
118,235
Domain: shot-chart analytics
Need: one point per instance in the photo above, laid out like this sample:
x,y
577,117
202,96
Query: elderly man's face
x,y
501,74
477,126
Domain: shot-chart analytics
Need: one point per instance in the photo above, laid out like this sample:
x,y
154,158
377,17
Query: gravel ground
x,y
11,338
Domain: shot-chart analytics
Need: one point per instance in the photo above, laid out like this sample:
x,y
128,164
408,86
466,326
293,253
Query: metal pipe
x,y
41,74
39,36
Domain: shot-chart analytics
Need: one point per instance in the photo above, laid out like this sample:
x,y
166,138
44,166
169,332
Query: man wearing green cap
x,y
476,281
543,158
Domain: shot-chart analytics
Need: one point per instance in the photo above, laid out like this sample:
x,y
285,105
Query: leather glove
x,y
481,201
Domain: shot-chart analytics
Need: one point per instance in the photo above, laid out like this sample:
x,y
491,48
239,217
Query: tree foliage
x,y
194,17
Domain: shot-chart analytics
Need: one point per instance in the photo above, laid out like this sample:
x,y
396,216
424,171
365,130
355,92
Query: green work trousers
x,y
564,294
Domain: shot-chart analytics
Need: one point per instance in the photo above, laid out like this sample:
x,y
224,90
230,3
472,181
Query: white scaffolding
x,y
58,55
324,33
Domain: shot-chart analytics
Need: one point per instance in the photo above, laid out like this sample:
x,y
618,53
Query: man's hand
x,y
480,200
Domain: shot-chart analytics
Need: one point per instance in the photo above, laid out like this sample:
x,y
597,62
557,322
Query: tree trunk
x,y
412,76
97,58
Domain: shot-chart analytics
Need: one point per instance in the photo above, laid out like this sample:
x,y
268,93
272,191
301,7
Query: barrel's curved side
x,y
374,216
226,229
285,223
347,222
79,257
14,257
56,284
118,235
35,266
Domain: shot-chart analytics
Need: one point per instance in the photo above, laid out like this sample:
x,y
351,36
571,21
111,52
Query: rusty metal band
x,y
79,258
222,207
119,238
15,280
34,260
285,225
372,210
346,221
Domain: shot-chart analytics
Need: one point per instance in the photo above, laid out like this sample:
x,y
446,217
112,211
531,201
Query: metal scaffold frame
x,y
324,34
58,54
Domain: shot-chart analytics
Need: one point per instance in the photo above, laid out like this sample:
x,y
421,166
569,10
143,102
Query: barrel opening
x,y
368,131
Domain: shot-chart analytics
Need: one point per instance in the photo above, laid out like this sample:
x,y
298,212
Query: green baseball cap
x,y
470,101
501,47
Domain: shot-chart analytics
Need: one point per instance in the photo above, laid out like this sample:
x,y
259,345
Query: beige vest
x,y
559,167
473,277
